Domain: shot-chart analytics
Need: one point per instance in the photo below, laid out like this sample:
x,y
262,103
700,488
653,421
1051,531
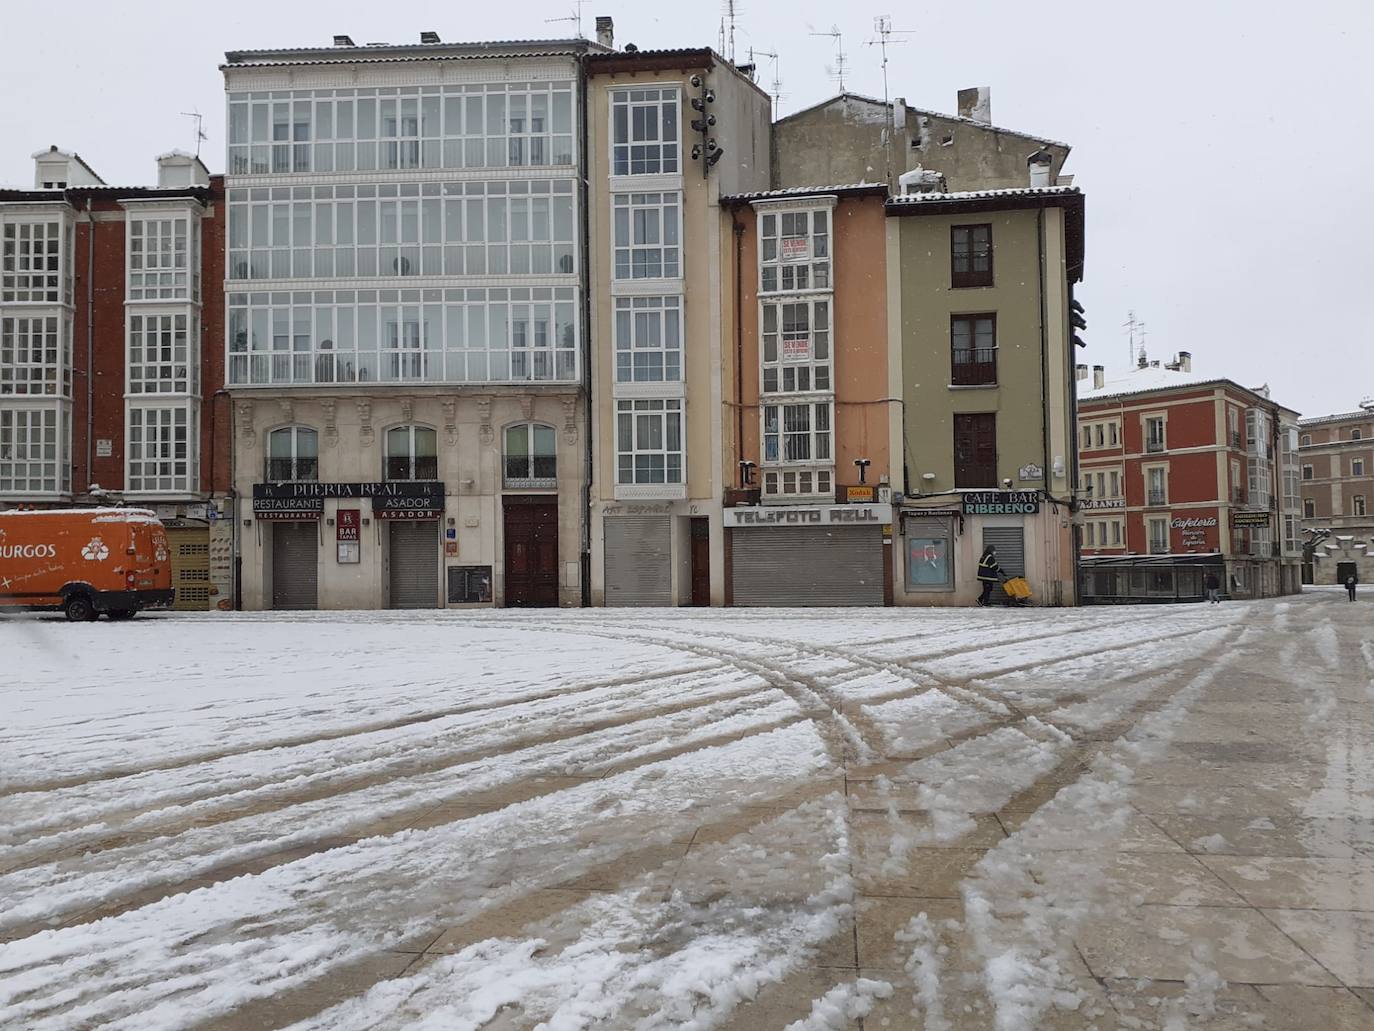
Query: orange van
x,y
84,561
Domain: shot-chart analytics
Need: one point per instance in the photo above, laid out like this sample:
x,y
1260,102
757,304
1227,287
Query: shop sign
x,y
796,248
287,508
1194,530
1093,504
1001,502
796,349
407,507
859,495
347,524
811,515
1250,520
384,489
1031,472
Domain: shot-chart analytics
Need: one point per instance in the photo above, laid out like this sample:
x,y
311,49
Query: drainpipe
x,y
584,218
739,343
1045,469
90,343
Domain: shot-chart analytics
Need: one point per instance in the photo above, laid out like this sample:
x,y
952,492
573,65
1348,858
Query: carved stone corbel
x,y
485,433
245,417
288,409
407,410
365,434
569,420
331,428
451,422
527,407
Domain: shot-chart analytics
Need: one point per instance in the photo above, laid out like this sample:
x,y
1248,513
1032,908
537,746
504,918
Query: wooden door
x,y
531,551
701,562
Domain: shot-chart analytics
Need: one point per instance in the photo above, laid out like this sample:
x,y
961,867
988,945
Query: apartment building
x,y
406,328
673,132
111,355
981,328
809,519
1181,475
1336,456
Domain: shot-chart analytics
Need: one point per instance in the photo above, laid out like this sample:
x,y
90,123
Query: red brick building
x,y
112,353
1179,475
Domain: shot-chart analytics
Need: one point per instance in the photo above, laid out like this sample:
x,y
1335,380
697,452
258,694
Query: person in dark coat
x,y
1213,586
1350,584
989,573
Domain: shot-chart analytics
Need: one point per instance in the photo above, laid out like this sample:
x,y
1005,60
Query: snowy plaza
x,y
1137,817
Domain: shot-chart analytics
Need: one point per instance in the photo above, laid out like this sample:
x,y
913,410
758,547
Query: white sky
x,y
1224,145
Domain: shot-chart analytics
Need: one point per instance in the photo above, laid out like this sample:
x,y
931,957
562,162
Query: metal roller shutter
x,y
778,565
638,560
414,565
1010,542
295,565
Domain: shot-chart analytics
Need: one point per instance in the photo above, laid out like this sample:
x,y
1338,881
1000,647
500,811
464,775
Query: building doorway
x,y
413,558
1344,569
701,562
295,564
531,534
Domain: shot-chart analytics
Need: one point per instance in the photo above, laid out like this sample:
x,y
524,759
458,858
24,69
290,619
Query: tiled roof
x,y
493,43
929,114
1315,419
967,195
806,191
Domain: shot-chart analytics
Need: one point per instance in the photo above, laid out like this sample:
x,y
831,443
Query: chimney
x,y
1080,372
1039,165
1185,361
605,31
177,170
1099,377
975,104
343,41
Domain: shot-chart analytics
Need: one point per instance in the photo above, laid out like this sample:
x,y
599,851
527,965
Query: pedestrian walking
x,y
989,573
1213,586
1350,583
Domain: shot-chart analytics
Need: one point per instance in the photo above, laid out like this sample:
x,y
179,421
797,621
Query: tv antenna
x,y
837,72
1135,335
575,16
200,131
777,80
731,14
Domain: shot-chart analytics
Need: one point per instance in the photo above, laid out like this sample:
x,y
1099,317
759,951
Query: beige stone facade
x,y
1336,453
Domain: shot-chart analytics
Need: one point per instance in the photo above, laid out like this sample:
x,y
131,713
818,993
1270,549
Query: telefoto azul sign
x,y
1001,502
810,515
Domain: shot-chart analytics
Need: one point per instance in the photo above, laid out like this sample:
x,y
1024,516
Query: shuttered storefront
x,y
808,565
1010,542
414,562
190,555
295,565
639,560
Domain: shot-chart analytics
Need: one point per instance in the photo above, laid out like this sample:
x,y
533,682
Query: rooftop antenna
x,y
837,72
882,25
777,80
575,16
1135,333
200,132
731,11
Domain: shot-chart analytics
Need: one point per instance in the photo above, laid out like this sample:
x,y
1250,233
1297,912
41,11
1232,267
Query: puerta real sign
x,y
393,499
1001,502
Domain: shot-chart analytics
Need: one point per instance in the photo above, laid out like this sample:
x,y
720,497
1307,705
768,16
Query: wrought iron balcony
x,y
975,366
1155,497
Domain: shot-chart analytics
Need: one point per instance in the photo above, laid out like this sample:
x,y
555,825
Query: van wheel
x,y
123,613
79,608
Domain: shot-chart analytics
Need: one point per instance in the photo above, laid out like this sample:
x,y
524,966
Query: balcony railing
x,y
1159,547
1239,495
975,366
1155,497
1236,441
1154,447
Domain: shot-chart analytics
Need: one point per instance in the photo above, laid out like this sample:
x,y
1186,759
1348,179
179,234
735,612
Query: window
x,y
796,346
645,131
1307,472
792,484
1309,508
1357,467
163,444
451,126
648,339
649,442
1306,440
646,236
1357,505
1154,433
35,450
164,259
797,433
1355,435
358,336
293,453
163,356
975,450
531,456
1116,533
929,555
1156,485
794,250
36,356
973,339
411,454
30,262
1116,485
1098,437
970,255
1159,536
1090,534
1113,434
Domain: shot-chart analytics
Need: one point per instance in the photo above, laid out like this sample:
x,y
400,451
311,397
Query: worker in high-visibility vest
x,y
989,573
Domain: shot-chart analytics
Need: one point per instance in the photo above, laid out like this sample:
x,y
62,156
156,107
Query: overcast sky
x,y
1224,145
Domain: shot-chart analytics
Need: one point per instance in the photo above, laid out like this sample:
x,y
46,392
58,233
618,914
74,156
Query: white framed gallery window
x,y
36,355
531,456
36,449
163,448
649,441
33,266
648,231
794,250
645,131
796,349
799,432
648,339
164,257
164,353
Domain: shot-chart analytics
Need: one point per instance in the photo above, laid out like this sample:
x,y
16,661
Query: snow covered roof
x,y
968,195
1150,378
100,515
1316,420
806,191
865,99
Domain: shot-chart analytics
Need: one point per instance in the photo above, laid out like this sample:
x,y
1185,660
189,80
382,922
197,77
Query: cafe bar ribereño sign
x,y
1000,502
394,499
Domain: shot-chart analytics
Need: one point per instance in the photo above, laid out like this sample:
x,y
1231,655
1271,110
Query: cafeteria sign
x,y
1001,502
